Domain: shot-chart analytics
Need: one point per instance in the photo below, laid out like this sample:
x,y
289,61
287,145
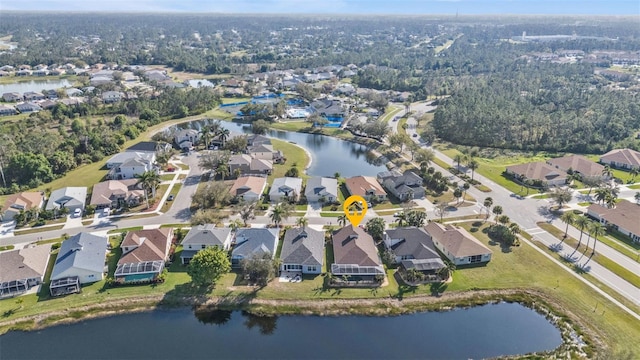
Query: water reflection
x,y
267,325
329,155
213,317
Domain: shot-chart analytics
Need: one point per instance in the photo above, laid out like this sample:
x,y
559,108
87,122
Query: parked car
x,y
106,211
170,198
77,212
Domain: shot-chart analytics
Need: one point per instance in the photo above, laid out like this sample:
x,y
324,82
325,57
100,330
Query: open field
x,y
294,154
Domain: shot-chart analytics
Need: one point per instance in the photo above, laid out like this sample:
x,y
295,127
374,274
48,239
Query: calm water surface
x,y
34,85
328,155
484,331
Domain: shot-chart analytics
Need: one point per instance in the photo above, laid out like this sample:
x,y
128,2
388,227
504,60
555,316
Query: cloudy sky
x,y
596,7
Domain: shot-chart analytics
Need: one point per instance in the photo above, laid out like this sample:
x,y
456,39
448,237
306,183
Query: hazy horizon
x,y
347,7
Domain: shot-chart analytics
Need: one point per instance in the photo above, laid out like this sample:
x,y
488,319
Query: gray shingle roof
x,y
317,185
414,242
288,183
81,251
257,241
67,197
207,235
303,246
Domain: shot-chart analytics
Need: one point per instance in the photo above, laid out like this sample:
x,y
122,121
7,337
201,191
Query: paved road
x,y
527,212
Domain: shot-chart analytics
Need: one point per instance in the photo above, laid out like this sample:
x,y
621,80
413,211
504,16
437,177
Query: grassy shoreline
x,y
564,321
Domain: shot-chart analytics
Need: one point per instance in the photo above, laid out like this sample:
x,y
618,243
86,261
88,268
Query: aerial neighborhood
x,y
287,165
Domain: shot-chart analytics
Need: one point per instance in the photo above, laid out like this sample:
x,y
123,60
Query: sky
x,y
462,7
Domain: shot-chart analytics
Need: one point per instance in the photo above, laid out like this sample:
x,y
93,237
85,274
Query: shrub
x,y
473,229
56,246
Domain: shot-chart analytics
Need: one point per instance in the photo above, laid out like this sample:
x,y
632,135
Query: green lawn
x,y
294,155
174,191
38,230
401,123
167,177
634,187
231,100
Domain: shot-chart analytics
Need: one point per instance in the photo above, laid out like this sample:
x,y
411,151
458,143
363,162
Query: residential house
x,y
112,96
144,253
324,188
7,68
355,254
23,201
33,96
302,250
286,188
328,108
460,247
73,92
625,218
254,242
152,147
22,269
4,73
129,164
204,236
186,138
365,186
249,166
7,110
115,193
405,186
81,260
40,72
23,73
51,94
538,171
577,164
71,198
47,104
261,151
622,158
255,140
248,188
415,245
28,107
12,97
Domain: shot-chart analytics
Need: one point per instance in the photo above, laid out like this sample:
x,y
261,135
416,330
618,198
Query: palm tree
x,y
569,218
637,197
401,218
247,212
597,229
280,212
497,211
473,165
606,172
488,202
342,220
336,175
302,222
223,135
236,224
424,157
503,219
223,170
149,180
610,201
581,222
601,194
634,172
458,159
205,132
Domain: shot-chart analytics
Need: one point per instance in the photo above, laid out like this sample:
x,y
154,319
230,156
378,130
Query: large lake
x,y
480,332
34,85
328,155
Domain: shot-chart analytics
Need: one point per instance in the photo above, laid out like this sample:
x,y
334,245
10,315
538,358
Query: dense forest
x,y
557,109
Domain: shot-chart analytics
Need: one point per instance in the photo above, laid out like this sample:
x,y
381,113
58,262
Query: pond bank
x,y
576,339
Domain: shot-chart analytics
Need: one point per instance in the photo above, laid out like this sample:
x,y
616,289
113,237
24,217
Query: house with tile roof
x,y
114,193
285,188
22,269
367,187
355,254
321,188
71,198
538,171
247,165
413,247
577,164
204,236
622,158
248,188
625,217
81,260
144,253
302,250
254,242
23,201
460,247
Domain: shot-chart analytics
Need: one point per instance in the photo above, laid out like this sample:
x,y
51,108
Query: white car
x,y
106,211
77,212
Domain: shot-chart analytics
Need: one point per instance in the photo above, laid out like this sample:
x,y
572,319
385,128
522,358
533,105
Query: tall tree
x,y
497,211
149,180
208,265
473,165
488,202
375,227
561,196
568,217
597,229
582,222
